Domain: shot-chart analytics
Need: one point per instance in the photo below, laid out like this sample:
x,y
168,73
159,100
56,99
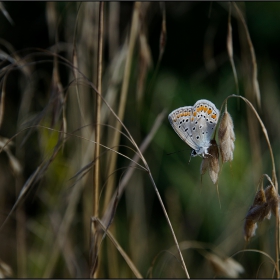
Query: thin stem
x,y
169,223
274,178
124,90
98,109
120,249
96,167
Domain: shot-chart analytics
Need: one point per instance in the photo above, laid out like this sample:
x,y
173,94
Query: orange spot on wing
x,y
204,109
194,113
213,116
209,111
191,118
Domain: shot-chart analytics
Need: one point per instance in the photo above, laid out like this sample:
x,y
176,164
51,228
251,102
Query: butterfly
x,y
195,125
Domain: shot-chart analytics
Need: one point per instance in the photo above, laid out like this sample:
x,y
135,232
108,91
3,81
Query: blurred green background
x,y
195,65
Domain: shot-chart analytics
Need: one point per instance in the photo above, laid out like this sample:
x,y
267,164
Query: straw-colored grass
x,y
94,181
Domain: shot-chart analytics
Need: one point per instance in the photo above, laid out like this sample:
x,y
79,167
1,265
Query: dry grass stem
x,y
255,82
127,71
135,159
6,14
119,248
274,178
230,49
96,173
71,170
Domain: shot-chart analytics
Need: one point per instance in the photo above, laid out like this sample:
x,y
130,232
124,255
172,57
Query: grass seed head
x,y
272,199
258,213
204,166
249,229
213,158
225,267
259,198
226,137
260,208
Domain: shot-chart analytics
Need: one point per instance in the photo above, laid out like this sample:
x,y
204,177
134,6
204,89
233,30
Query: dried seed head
x,y
213,158
260,208
257,213
259,198
249,229
226,137
5,270
225,267
272,199
204,165
233,268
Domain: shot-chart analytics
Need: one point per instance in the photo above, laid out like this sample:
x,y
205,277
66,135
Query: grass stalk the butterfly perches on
x,y
274,178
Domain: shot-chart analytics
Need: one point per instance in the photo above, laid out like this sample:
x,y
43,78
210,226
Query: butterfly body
x,y
195,125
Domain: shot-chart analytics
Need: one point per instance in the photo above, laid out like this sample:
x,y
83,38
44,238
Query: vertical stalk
x,y
124,89
96,167
97,113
